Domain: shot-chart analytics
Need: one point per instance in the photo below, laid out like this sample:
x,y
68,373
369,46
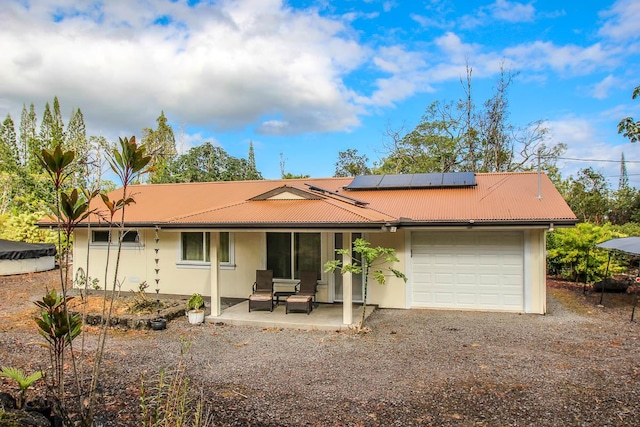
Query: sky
x,y
303,80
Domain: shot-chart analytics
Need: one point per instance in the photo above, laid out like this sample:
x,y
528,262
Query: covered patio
x,y
322,317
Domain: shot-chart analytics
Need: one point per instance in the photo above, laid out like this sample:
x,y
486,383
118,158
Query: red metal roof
x,y
498,198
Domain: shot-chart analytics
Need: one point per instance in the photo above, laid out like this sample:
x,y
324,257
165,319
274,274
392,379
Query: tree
x,y
456,136
628,127
128,162
57,125
350,163
588,196
571,252
624,203
288,175
205,163
46,128
31,144
161,145
9,161
251,171
10,170
76,141
372,261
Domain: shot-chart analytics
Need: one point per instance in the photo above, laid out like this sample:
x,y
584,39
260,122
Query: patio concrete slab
x,y
322,317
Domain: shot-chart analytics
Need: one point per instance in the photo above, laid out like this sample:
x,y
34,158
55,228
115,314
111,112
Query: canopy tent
x,y
629,246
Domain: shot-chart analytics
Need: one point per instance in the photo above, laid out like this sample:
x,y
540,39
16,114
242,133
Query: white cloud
x,y
571,59
505,10
601,89
429,22
221,65
500,10
587,148
621,21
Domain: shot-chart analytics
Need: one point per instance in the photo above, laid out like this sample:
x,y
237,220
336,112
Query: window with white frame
x,y
226,254
290,253
195,247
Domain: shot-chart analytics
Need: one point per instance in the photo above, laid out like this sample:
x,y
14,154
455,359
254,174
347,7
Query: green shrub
x,y
571,252
22,228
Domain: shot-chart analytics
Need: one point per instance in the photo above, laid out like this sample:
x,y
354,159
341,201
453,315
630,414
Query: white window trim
x,y
231,264
180,263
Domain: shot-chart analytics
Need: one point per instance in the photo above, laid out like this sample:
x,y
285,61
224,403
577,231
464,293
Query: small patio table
x,y
285,294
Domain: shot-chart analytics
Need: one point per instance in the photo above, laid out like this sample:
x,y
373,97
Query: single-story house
x,y
465,241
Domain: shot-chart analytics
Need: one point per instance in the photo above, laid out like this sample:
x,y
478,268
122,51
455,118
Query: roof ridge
x,y
203,211
357,210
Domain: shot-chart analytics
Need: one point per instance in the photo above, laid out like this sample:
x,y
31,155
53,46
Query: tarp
x,y
628,245
21,250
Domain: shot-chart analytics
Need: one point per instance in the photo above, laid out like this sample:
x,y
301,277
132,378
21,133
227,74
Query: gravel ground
x,y
576,366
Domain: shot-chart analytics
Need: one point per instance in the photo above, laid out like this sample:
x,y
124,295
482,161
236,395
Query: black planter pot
x,y
158,324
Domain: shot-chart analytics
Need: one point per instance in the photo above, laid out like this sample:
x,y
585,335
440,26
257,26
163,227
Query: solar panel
x,y
457,179
395,181
421,180
417,180
365,182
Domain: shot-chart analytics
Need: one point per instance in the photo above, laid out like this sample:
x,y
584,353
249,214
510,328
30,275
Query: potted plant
x,y
195,309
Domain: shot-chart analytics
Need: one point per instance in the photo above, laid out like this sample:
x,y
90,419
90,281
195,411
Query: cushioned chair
x,y
308,284
262,296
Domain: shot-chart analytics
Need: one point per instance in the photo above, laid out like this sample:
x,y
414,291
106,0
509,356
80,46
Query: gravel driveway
x,y
415,368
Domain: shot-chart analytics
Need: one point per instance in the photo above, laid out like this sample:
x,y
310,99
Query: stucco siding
x,y
537,268
393,293
237,282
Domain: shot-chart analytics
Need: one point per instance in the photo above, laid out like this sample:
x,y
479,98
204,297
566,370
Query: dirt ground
x,y
578,365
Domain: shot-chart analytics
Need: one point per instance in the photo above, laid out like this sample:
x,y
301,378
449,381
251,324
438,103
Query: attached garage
x,y
470,270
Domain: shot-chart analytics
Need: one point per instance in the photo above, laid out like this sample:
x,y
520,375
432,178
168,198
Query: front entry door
x,y
357,278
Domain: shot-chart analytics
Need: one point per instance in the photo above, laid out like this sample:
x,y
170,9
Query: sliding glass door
x,y
357,278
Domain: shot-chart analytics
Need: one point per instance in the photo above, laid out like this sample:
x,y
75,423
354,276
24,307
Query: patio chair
x,y
262,296
308,285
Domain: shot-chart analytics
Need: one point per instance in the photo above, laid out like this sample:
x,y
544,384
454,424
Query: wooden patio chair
x,y
262,296
308,285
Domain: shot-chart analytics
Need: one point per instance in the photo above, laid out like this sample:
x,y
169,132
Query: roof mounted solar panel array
x,y
416,180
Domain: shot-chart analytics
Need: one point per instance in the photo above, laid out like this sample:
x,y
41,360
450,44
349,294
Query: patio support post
x,y
347,284
215,282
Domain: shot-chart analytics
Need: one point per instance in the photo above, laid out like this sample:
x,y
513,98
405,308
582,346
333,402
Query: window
x,y
196,247
290,253
226,253
101,237
130,236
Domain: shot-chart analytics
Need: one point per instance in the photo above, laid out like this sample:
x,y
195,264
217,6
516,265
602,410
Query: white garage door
x,y
468,270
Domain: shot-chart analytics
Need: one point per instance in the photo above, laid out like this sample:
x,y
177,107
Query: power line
x,y
597,160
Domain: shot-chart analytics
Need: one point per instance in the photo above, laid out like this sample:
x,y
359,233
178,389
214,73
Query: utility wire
x,y
597,160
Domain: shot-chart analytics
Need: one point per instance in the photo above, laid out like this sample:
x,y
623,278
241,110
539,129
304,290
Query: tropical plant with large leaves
x,y
59,328
23,381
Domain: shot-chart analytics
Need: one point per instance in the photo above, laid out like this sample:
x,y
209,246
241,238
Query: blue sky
x,y
306,79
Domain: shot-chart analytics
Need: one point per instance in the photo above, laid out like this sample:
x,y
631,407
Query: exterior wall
x,y
535,271
237,282
137,265
393,293
29,265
